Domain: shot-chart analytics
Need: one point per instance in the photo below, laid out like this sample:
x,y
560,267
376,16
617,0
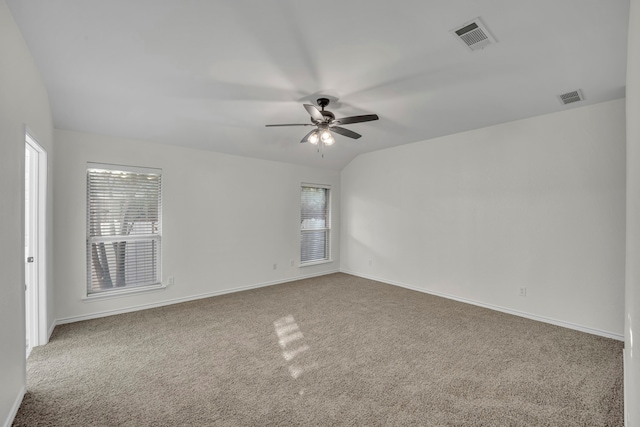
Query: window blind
x,y
315,223
124,207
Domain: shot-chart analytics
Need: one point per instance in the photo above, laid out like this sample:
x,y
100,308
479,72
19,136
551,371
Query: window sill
x,y
123,292
310,263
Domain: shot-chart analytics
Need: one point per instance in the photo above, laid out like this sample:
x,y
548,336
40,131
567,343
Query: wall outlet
x,y
170,280
291,262
523,292
275,266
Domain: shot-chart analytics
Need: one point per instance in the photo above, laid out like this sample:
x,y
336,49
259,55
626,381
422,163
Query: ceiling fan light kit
x,y
326,123
326,137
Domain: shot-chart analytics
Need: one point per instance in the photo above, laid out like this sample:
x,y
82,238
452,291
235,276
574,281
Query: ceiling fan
x,y
326,123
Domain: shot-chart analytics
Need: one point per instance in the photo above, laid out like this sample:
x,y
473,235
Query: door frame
x,y
39,331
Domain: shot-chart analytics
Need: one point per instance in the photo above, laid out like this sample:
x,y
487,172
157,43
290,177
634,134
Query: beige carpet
x,y
334,350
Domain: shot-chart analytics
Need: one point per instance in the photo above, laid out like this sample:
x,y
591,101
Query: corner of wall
x,y
15,407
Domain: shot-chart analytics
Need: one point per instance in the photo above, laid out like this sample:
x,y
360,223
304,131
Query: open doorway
x,y
34,226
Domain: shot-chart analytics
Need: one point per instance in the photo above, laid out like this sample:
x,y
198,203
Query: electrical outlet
x,y
275,266
291,262
523,292
170,280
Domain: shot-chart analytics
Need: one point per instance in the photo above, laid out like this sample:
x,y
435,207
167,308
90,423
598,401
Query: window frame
x,y
326,229
154,236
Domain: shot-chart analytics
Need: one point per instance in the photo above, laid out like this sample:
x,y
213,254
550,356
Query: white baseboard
x,y
556,322
183,299
15,407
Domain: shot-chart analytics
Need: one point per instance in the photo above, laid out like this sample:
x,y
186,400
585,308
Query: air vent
x,y
569,97
474,34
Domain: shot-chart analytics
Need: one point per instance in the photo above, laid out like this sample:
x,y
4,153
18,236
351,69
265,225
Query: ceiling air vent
x,y
569,97
474,35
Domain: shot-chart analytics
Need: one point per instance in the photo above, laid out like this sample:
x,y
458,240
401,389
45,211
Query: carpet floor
x,y
332,350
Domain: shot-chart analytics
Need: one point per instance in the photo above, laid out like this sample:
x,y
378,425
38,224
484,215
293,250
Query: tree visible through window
x,y
315,224
123,227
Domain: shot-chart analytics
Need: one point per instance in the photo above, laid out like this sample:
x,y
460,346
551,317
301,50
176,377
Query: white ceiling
x,y
209,74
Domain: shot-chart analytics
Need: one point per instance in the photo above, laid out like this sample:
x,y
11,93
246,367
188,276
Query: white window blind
x,y
315,223
124,227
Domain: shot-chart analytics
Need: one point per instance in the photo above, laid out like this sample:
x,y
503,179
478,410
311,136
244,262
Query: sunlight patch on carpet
x,y
289,333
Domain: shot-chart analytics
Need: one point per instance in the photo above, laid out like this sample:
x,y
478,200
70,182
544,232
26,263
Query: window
x,y
315,223
124,227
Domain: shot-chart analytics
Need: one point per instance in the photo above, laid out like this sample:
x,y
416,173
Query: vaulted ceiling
x,y
209,74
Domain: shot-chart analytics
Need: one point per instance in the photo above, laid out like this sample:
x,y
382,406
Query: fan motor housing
x,y
328,114
328,117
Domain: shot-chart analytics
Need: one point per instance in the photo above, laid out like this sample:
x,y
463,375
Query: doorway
x,y
34,243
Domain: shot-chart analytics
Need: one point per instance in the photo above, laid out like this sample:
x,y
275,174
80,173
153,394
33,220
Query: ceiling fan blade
x,y
314,112
306,137
345,132
291,124
356,119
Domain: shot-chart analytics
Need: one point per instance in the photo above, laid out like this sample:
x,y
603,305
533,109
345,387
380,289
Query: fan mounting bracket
x,y
323,102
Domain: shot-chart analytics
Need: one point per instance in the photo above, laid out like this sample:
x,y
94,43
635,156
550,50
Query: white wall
x,y
226,220
632,294
23,101
536,203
